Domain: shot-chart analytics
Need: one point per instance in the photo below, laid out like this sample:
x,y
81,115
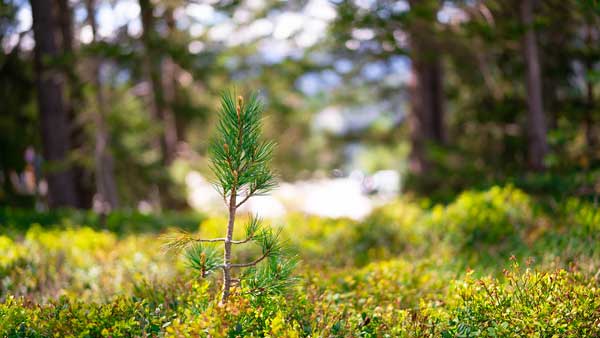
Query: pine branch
x,y
202,259
212,240
274,277
250,194
253,263
184,240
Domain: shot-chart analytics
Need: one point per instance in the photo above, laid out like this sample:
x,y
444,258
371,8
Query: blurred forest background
x,y
109,104
439,167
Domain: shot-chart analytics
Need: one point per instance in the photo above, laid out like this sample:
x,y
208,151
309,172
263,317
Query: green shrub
x,y
65,317
582,218
528,304
398,273
573,236
390,230
485,218
79,261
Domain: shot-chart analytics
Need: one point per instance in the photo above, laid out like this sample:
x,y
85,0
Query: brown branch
x,y
223,240
209,240
250,194
253,263
243,241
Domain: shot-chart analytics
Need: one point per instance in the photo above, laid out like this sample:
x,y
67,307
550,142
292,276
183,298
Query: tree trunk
x,y
590,104
74,98
427,114
536,121
171,85
162,91
426,118
227,245
106,188
589,117
181,123
169,72
55,128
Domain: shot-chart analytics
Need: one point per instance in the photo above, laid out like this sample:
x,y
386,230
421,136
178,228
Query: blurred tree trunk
x,y
74,98
536,120
590,101
172,75
161,108
55,128
170,72
426,118
106,188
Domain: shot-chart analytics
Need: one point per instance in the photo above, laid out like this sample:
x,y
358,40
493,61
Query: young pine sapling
x,y
240,162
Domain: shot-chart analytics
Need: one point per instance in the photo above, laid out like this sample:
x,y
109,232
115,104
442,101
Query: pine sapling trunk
x,y
227,249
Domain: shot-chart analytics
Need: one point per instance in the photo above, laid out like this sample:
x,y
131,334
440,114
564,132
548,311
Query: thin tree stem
x,y
228,242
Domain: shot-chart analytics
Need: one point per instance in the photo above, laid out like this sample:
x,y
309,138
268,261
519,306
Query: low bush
x,y
68,317
389,231
528,304
488,217
398,273
80,261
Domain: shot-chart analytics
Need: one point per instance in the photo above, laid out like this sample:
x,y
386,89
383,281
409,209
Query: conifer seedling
x,y
240,162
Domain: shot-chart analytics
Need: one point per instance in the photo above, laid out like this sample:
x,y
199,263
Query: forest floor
x,y
494,263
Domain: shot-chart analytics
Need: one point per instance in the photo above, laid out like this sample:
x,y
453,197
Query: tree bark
x,y
590,102
170,72
55,128
427,113
536,120
227,251
162,92
426,118
106,188
73,100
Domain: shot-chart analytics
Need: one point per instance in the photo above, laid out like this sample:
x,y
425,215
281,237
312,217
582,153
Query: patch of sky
x,y
313,83
400,7
450,13
343,66
374,71
24,18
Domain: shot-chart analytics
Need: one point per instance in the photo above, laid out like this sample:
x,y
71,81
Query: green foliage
x,y
390,230
69,317
122,222
345,283
202,259
485,218
272,278
582,217
528,303
80,261
240,158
